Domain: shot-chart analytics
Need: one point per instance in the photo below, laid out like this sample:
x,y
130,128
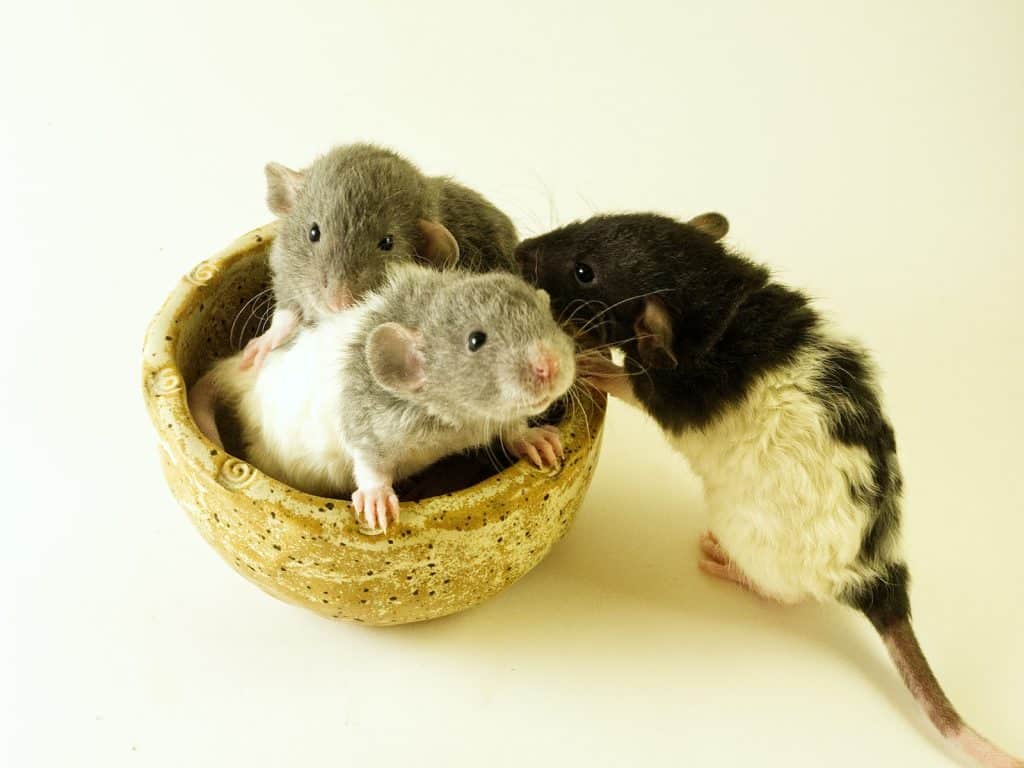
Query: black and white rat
x,y
780,415
353,212
430,364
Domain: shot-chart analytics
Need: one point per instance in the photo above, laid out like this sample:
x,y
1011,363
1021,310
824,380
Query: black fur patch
x,y
886,600
768,329
729,323
848,391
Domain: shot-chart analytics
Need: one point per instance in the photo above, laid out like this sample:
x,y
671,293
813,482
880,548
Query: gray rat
x,y
778,412
430,364
353,212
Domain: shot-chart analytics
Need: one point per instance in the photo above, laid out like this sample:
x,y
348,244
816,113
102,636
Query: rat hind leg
x,y
717,563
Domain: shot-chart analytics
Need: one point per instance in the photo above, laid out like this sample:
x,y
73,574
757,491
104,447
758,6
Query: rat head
x,y
470,347
344,220
662,289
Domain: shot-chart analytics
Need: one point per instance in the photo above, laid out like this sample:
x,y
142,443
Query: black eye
x,y
476,340
387,243
314,232
584,274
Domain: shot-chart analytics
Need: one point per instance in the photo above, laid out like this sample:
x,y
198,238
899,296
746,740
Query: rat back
x,y
487,237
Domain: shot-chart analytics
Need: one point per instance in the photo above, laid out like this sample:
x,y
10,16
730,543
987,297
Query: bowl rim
x,y
162,379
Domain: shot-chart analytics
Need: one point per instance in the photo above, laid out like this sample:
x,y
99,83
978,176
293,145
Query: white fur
x,y
777,486
289,407
290,412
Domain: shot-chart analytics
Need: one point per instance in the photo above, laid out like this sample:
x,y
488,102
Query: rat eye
x,y
584,274
314,232
387,243
476,340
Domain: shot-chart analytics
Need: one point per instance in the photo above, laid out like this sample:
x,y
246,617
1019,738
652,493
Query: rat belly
x,y
292,429
778,489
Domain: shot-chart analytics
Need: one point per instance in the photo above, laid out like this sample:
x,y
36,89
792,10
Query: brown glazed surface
x,y
446,554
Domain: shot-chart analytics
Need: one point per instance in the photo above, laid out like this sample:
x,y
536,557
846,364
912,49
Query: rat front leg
x,y
281,328
542,445
597,371
374,500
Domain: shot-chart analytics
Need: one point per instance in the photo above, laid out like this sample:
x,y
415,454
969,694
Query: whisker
x,y
265,293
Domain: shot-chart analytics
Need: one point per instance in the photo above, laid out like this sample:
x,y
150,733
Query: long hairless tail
x,y
202,401
887,606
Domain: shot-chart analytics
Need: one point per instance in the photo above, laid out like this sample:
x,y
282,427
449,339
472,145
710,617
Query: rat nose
x,y
544,366
339,298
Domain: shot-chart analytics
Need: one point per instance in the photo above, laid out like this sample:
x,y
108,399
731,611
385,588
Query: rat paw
x,y
712,548
717,563
375,507
598,372
257,349
541,445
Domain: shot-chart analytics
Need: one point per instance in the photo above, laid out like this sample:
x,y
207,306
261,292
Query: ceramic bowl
x,y
446,554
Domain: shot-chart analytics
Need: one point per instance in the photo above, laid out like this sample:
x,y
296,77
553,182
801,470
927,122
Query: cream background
x,y
871,155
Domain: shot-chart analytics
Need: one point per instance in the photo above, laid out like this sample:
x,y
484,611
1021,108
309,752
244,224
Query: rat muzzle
x,y
339,297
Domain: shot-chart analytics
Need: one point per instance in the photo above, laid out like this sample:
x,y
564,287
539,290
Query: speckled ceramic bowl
x,y
446,554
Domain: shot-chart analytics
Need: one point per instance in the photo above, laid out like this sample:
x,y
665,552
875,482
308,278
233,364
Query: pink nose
x,y
544,366
339,299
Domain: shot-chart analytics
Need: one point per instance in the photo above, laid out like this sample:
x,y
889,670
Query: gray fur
x,y
357,194
466,398
487,239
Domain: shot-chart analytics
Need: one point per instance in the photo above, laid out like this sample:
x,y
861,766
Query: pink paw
x,y
597,371
375,507
541,445
717,563
257,349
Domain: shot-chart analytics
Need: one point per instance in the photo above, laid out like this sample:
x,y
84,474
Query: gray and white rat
x,y
353,212
779,413
430,364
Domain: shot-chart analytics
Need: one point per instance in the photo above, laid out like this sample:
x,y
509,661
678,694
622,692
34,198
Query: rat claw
x,y
541,445
358,503
548,453
376,507
534,455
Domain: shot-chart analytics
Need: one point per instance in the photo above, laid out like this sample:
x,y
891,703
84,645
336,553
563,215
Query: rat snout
x,y
544,365
545,371
338,297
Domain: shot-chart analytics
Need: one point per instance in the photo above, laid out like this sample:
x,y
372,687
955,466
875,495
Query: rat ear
x,y
713,224
283,185
440,247
654,334
395,356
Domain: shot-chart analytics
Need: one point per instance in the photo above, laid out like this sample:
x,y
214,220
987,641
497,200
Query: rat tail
x,y
886,603
202,401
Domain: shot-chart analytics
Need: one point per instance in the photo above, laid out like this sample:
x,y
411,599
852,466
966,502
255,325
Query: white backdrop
x,y
871,155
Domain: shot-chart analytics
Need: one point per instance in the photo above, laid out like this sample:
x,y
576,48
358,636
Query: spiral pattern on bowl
x,y
202,273
166,382
235,474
